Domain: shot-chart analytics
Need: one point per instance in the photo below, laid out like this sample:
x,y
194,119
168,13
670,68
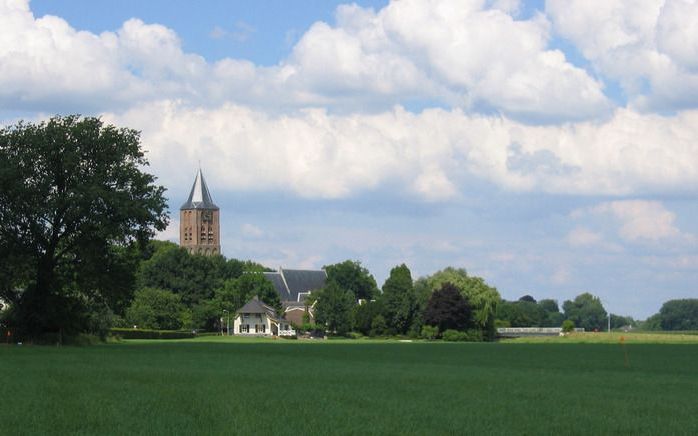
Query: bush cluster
x,y
471,335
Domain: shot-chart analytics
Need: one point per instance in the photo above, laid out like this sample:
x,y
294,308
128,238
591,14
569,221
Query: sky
x,y
550,147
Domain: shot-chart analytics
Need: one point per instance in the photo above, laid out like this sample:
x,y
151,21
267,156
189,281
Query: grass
x,y
220,385
613,338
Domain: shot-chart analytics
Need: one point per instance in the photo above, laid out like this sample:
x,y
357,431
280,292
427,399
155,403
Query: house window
x,y
244,328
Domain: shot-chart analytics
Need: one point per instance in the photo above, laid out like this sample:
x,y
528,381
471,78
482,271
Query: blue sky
x,y
547,146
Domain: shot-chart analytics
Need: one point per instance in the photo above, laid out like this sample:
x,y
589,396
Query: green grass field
x,y
222,386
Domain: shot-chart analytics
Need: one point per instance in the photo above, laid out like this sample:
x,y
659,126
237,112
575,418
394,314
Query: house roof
x,y
199,197
294,285
257,306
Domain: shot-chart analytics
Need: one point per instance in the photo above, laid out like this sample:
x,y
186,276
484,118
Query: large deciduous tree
x,y
351,276
482,298
156,309
586,311
334,308
679,314
398,299
74,197
448,309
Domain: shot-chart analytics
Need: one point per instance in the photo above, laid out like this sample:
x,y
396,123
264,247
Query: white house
x,y
257,319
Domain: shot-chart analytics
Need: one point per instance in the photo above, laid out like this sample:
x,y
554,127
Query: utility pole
x,y
227,324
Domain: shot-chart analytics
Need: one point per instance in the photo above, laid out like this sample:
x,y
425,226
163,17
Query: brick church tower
x,y
199,221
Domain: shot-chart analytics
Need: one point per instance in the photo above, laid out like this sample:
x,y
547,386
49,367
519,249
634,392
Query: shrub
x,y
474,335
354,335
151,334
567,325
430,332
451,335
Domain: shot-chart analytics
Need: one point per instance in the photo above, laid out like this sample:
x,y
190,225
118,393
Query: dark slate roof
x,y
293,284
199,197
299,280
278,282
256,306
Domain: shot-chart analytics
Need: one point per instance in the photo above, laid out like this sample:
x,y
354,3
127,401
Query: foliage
x,y
364,314
398,299
236,292
333,308
618,321
528,298
482,297
429,332
522,313
679,314
378,326
126,333
156,309
586,311
451,335
567,325
73,202
653,323
351,276
193,276
448,309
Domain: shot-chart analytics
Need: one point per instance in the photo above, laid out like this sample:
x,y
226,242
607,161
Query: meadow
x,y
220,385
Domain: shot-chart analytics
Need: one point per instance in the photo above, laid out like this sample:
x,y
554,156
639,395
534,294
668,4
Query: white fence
x,y
531,331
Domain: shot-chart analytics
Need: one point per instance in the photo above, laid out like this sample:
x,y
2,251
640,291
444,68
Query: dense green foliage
x,y
75,207
398,300
481,297
193,387
526,312
679,314
334,308
156,309
567,325
586,311
351,276
205,285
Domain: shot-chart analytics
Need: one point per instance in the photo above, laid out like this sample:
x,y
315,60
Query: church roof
x,y
199,197
295,284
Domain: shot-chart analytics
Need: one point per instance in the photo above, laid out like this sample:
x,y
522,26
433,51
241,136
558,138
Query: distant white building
x,y
257,319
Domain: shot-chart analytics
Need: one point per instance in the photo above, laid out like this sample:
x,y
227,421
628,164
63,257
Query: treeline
x,y
176,290
586,311
447,302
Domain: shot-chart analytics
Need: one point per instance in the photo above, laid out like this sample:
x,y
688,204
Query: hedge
x,y
126,333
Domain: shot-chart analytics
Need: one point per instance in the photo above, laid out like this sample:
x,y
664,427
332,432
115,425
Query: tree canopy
x,y
448,309
74,198
586,311
398,299
679,314
334,308
482,297
351,276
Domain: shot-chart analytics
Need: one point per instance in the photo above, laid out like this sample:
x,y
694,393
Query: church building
x,y
199,221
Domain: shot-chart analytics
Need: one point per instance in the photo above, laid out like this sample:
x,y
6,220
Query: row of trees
x,y
448,299
584,311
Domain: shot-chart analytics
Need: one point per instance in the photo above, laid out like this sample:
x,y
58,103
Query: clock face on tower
x,y
207,216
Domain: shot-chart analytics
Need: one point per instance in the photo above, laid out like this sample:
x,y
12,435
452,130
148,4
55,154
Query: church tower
x,y
199,221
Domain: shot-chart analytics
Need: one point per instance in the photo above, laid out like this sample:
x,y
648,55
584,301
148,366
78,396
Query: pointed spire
x,y
199,197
